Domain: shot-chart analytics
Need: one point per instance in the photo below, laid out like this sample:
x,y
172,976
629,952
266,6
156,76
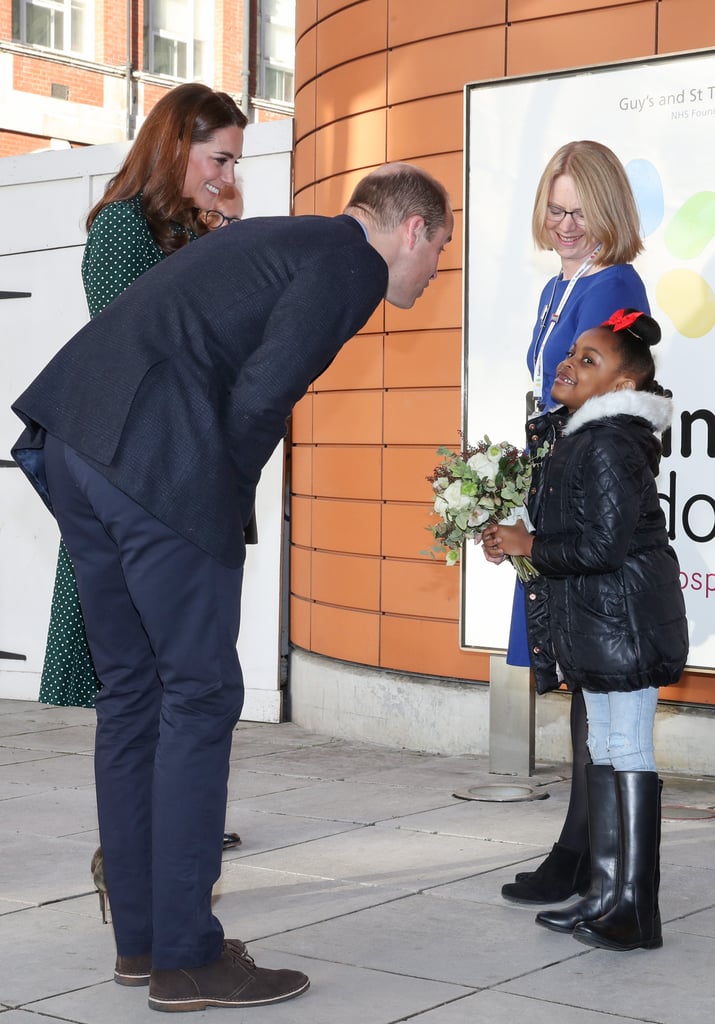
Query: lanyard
x,y
539,361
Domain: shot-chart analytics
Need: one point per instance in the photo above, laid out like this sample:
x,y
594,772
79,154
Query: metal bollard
x,y
512,708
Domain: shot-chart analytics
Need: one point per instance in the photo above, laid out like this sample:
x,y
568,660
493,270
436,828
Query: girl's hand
x,y
507,540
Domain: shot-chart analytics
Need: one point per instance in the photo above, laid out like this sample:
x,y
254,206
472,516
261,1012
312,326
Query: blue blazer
x,y
179,391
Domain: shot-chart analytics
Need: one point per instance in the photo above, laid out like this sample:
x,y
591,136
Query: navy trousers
x,y
162,621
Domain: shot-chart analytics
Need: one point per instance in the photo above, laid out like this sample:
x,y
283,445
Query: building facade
x,y
82,72
381,80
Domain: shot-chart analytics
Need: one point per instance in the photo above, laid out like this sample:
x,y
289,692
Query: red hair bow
x,y
620,320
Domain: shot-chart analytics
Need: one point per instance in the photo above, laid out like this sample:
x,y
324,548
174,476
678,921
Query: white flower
x,y
478,518
486,464
452,499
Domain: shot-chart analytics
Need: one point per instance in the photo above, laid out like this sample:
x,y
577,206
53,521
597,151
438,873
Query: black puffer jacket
x,y
608,607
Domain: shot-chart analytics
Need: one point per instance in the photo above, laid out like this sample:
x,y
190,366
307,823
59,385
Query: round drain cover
x,y
501,793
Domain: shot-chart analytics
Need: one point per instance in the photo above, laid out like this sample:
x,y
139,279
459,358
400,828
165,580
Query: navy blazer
x,y
179,391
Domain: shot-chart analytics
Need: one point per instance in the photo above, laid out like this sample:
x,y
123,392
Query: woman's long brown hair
x,y
156,164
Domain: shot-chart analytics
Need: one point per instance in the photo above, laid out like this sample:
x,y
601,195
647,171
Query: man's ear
x,y
415,229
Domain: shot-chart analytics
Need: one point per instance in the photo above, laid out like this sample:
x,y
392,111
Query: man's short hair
x,y
395,192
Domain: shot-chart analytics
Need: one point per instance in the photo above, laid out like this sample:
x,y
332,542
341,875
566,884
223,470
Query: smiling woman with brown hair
x,y
184,154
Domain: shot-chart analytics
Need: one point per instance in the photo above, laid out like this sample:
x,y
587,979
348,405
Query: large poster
x,y
659,117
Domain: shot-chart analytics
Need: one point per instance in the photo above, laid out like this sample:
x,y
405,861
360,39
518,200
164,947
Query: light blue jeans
x,y
620,729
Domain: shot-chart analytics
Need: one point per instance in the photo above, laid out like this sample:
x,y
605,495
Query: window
x,y
178,38
65,25
276,50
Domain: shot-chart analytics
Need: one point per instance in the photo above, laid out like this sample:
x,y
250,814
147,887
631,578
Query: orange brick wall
x,y
35,73
38,76
152,95
15,143
229,44
111,31
263,116
381,80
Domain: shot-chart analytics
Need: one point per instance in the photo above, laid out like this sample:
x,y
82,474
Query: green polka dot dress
x,y
120,248
68,676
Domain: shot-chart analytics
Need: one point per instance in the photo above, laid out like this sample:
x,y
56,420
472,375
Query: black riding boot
x,y
603,832
634,921
562,874
565,872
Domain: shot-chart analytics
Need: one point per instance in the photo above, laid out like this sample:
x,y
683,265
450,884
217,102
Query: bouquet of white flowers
x,y
485,483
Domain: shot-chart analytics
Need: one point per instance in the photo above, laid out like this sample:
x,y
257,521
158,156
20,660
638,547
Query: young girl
x,y
585,213
607,612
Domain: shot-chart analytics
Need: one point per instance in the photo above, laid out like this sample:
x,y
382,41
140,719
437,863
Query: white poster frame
x,y
655,113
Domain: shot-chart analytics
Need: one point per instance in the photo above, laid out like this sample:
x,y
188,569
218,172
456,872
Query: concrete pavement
x,y
358,866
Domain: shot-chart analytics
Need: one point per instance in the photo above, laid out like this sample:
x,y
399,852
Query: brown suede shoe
x,y
133,970
232,980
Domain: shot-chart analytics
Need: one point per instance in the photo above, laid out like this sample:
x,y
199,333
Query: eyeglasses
x,y
215,219
555,214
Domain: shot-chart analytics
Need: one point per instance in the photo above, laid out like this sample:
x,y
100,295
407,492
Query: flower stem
x,y
524,568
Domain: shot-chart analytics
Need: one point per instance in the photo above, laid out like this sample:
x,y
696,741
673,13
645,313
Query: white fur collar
x,y
658,411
